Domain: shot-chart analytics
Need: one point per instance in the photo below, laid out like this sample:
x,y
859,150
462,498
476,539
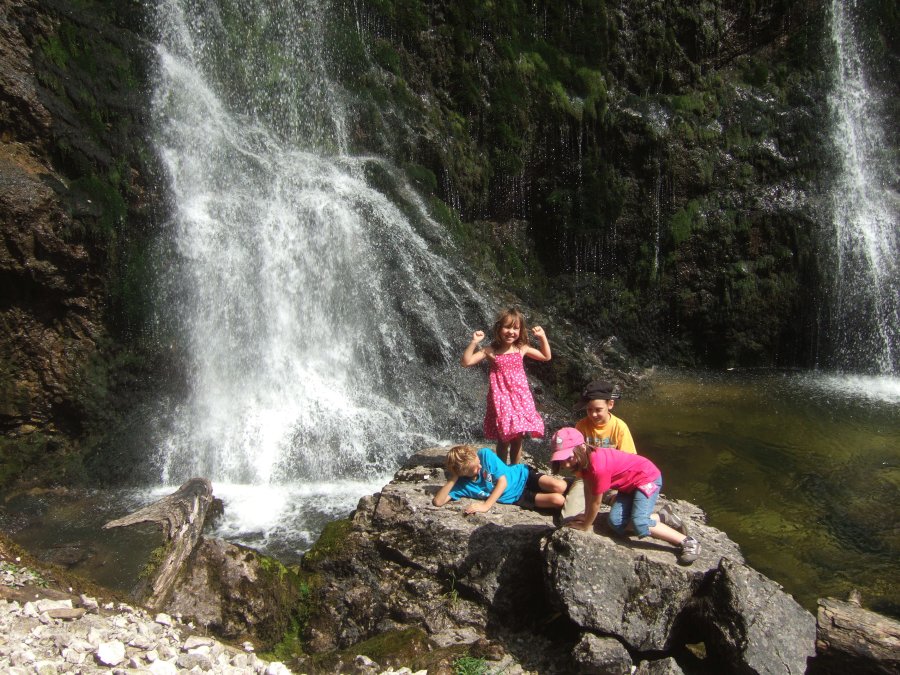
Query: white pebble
x,y
111,653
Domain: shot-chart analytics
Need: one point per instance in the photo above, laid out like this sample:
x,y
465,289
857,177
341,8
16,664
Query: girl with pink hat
x,y
638,481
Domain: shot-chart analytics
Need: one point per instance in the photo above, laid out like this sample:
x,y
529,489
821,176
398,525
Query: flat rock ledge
x,y
512,588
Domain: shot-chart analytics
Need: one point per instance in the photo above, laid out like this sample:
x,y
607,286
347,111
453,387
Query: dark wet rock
x,y
754,624
634,589
667,666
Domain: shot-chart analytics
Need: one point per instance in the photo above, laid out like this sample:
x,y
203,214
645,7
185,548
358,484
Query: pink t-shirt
x,y
611,468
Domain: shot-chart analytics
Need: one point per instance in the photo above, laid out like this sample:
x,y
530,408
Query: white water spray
x,y
866,303
322,326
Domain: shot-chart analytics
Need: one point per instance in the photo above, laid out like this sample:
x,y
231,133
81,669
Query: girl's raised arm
x,y
470,357
543,354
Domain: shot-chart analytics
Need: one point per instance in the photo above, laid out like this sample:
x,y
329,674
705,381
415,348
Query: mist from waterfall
x,y
865,301
323,323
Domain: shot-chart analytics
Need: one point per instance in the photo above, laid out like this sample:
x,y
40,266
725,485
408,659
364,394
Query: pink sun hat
x,y
563,442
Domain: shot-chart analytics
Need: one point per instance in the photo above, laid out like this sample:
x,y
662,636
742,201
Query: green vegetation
x,y
290,645
332,540
469,665
39,458
399,647
156,558
625,130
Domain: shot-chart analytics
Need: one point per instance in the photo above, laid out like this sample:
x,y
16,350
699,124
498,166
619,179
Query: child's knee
x,y
557,500
552,484
616,522
642,525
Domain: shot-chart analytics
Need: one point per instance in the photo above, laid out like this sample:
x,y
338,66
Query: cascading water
x,y
322,327
865,326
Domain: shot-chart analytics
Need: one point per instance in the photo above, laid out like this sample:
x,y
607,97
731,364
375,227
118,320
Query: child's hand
x,y
538,332
478,507
478,336
577,523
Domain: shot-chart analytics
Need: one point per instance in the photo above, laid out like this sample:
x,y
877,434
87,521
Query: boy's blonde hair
x,y
461,456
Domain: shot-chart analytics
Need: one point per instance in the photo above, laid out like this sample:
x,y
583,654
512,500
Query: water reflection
x,y
801,469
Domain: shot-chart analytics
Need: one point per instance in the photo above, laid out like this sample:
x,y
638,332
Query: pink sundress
x,y
510,406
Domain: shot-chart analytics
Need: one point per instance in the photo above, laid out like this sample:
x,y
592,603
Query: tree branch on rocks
x,y
181,516
848,636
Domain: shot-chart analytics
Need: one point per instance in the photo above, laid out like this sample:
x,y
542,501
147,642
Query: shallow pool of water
x,y
801,469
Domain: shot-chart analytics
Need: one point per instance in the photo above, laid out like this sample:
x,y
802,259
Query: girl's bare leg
x,y
664,532
515,448
503,451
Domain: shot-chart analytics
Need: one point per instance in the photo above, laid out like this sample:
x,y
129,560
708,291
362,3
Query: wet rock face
x,y
538,592
71,204
50,305
20,107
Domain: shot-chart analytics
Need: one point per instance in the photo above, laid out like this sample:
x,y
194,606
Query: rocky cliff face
x,y
655,171
510,587
73,212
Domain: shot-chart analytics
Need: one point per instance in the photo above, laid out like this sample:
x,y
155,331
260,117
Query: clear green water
x,y
65,527
802,470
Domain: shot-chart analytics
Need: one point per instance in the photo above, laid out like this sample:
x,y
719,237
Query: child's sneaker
x,y
690,551
668,517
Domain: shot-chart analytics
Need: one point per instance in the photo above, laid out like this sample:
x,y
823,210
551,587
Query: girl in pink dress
x,y
511,414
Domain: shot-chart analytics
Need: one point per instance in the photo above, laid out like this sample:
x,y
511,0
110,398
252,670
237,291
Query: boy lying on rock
x,y
481,474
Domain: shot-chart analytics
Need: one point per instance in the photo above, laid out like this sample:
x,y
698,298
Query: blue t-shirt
x,y
492,467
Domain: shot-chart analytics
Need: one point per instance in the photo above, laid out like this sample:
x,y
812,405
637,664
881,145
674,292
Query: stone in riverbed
x,y
594,654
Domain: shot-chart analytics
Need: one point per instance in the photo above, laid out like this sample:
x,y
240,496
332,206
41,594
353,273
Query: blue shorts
x,y
635,508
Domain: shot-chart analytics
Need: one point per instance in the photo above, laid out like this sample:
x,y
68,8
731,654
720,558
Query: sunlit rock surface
x,y
510,578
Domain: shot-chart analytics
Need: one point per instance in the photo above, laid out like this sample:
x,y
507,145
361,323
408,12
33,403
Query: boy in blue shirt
x,y
481,474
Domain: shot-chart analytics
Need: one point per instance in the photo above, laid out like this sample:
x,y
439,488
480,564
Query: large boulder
x,y
635,590
753,624
549,599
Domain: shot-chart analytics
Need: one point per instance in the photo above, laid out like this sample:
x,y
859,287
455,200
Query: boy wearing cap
x,y
638,481
599,426
481,474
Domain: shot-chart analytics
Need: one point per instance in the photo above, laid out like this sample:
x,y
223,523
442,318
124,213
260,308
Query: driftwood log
x,y
181,516
850,639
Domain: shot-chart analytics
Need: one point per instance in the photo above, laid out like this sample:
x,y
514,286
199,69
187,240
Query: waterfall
x,y
865,303
322,324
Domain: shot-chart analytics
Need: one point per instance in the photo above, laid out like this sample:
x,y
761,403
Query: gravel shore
x,y
49,631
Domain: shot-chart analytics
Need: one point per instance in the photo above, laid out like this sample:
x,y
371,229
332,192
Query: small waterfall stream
x,y
865,325
322,322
